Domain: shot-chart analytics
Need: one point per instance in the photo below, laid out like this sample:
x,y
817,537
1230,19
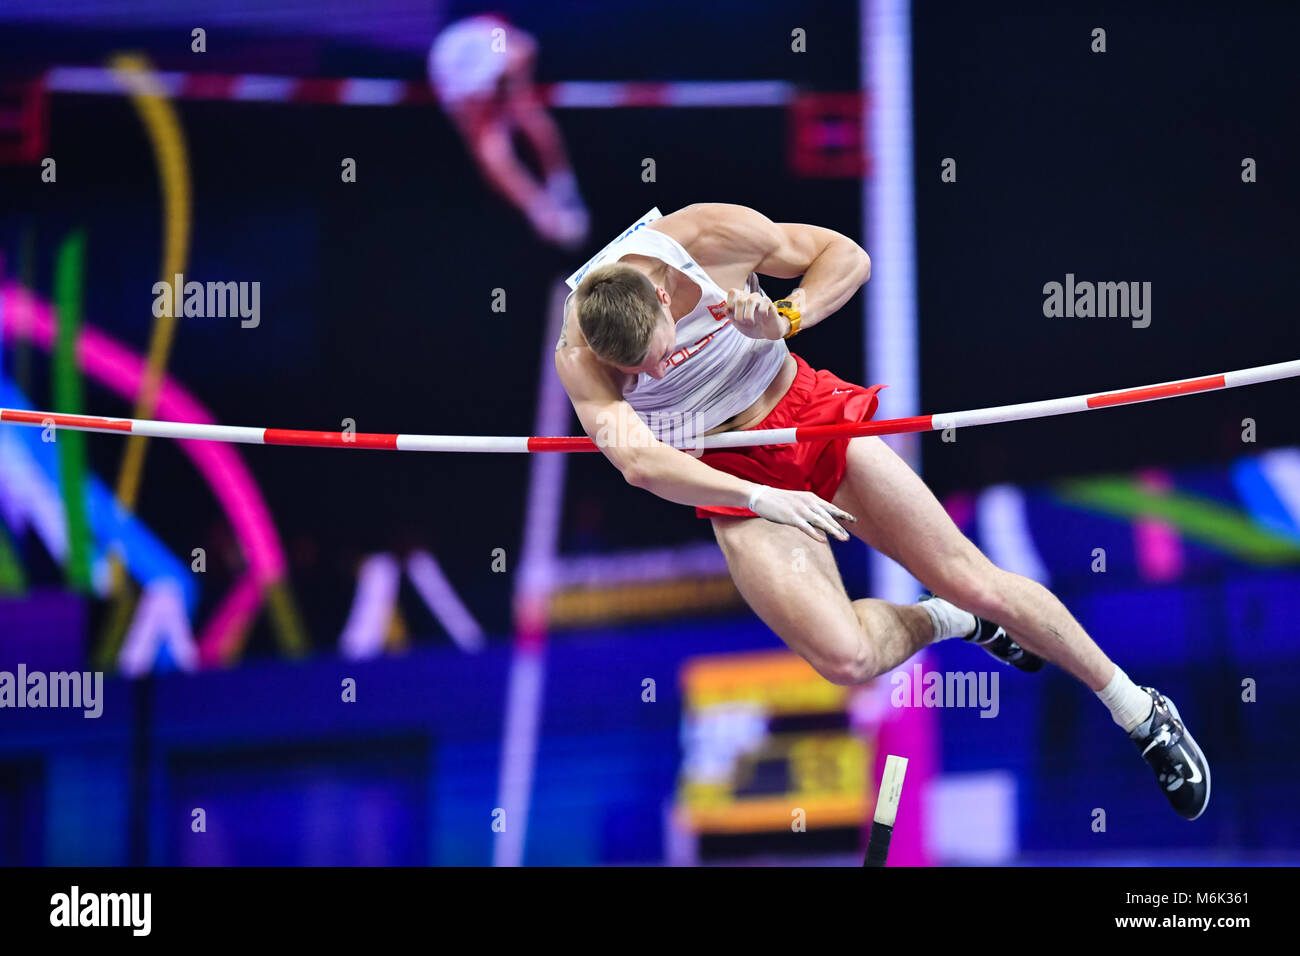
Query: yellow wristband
x,y
786,307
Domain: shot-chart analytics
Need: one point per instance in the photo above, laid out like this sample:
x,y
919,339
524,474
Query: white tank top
x,y
714,372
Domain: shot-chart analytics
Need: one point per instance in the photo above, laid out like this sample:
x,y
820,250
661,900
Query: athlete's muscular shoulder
x,y
582,374
570,335
723,235
733,241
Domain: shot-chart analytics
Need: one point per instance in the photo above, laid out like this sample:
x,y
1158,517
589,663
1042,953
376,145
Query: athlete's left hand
x,y
755,315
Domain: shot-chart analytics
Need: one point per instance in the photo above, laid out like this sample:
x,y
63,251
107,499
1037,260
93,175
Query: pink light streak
x,y
112,364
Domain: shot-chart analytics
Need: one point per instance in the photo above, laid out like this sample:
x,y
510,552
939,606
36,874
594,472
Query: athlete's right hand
x,y
800,509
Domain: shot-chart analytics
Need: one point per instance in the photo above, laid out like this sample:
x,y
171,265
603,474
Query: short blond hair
x,y
617,310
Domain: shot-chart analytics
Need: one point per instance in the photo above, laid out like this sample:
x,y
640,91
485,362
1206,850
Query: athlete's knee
x,y
848,664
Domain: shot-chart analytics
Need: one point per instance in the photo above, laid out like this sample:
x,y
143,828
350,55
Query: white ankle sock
x,y
1129,704
948,619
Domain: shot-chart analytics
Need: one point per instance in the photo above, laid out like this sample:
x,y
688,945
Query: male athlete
x,y
669,329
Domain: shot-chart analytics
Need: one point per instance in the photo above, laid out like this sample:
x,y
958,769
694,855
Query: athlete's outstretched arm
x,y
672,474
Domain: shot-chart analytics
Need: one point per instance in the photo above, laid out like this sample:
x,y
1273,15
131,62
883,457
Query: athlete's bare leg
x,y
900,517
791,582
849,642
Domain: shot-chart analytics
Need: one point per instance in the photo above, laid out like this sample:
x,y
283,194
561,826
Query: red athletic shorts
x,y
815,398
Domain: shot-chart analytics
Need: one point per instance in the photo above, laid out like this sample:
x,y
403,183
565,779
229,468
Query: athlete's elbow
x,y
635,472
641,468
864,266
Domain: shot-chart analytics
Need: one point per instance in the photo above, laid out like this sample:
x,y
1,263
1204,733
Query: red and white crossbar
x,y
361,91
738,439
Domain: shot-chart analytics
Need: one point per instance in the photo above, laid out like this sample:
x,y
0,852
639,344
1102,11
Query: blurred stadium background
x,y
502,615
